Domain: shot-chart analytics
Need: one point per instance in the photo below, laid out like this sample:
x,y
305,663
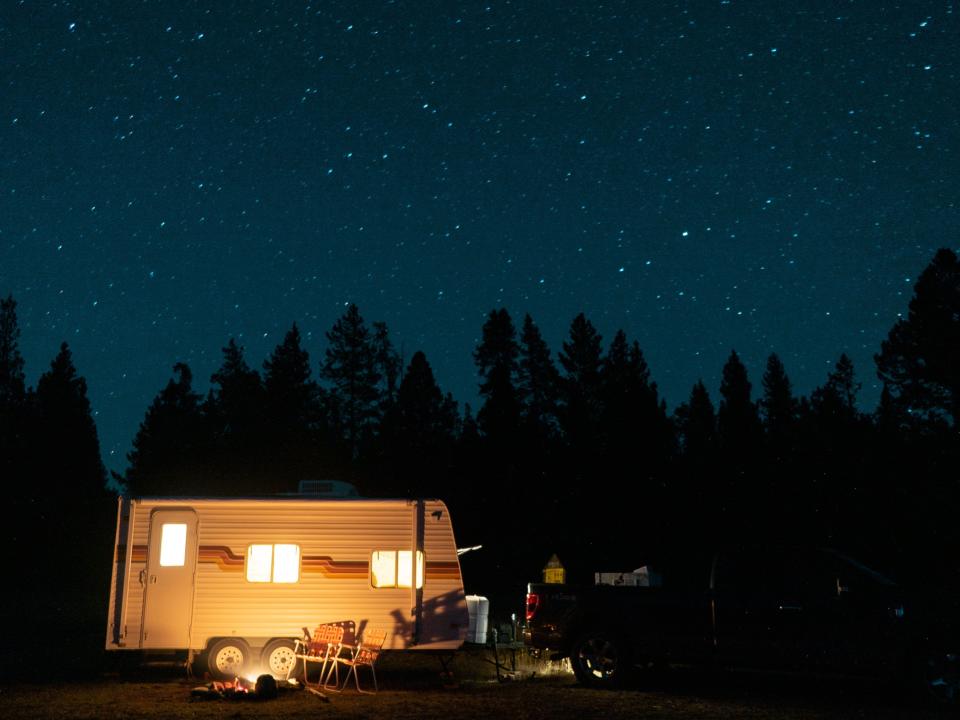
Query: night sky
x,y
765,176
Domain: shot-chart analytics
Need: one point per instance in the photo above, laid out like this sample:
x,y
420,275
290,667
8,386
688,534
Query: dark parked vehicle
x,y
768,608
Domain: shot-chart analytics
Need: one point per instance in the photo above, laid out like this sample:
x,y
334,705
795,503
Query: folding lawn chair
x,y
364,654
323,647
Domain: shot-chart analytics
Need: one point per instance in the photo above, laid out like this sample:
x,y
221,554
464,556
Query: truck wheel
x,y
279,659
227,658
599,660
941,677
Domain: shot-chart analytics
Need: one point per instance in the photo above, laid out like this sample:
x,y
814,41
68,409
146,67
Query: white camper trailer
x,y
238,579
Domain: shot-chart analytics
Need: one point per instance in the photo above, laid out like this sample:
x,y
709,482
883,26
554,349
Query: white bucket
x,y
478,609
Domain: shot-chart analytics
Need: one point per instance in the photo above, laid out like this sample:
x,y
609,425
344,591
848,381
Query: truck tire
x,y
227,658
599,659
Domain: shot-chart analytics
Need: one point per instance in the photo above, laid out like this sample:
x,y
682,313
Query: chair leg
x,y
346,680
375,688
334,669
323,671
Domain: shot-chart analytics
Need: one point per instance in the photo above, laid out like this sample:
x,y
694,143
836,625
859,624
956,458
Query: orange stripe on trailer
x,y
443,570
329,567
222,556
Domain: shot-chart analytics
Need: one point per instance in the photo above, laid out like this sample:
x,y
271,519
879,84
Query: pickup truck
x,y
769,608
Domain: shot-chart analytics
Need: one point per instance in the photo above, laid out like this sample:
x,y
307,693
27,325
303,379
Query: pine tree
x,y
537,383
290,394
12,388
697,422
297,444
918,360
426,427
837,398
13,395
738,423
469,430
74,469
496,360
238,402
581,361
388,363
633,418
71,522
235,409
169,445
779,408
420,403
889,417
350,366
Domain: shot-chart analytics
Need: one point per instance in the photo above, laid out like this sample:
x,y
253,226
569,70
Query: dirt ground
x,y
414,689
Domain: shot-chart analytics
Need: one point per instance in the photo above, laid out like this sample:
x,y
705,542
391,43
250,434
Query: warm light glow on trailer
x,y
403,569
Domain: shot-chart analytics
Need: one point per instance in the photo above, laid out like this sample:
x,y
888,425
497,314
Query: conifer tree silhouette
x,y
13,398
582,402
75,470
918,360
426,423
236,409
634,420
351,367
291,394
697,424
537,385
779,408
294,414
496,360
169,445
388,363
738,423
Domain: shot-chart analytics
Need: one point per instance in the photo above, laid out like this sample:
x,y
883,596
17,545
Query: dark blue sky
x,y
707,176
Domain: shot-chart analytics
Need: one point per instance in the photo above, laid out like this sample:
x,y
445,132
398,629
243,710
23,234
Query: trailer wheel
x,y
227,658
599,660
279,658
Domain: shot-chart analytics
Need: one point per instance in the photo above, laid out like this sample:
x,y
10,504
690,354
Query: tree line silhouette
x,y
574,453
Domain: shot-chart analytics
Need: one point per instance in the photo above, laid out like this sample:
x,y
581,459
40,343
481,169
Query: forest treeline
x,y
572,450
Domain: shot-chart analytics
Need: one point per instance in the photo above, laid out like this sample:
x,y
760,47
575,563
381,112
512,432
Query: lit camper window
x,y
391,568
273,563
173,544
286,563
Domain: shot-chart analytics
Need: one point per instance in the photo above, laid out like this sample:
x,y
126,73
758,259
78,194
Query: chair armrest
x,y
351,650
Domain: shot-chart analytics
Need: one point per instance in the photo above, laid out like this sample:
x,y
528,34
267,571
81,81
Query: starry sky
x,y
765,176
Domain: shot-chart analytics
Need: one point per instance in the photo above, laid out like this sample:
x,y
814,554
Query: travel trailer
x,y
235,580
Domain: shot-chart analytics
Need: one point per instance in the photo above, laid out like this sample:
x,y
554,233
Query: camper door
x,y
171,562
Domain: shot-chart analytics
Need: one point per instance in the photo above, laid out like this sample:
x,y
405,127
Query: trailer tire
x,y
599,659
279,658
227,658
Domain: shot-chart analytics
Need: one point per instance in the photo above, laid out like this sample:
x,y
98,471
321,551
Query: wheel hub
x,y
229,659
281,661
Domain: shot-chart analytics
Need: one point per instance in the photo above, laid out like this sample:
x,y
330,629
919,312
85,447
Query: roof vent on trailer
x,y
327,488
